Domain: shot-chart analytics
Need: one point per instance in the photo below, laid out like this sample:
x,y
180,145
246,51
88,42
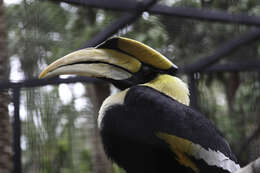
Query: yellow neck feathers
x,y
171,86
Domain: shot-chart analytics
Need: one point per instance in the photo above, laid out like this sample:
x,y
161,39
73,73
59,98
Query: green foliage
x,y
50,138
118,169
33,30
41,31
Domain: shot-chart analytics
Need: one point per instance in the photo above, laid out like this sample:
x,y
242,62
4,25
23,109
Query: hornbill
x,y
148,126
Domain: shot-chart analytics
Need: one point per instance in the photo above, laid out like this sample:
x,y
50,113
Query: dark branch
x,y
223,51
126,19
192,13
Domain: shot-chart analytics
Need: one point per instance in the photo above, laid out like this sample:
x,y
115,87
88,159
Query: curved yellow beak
x,y
92,62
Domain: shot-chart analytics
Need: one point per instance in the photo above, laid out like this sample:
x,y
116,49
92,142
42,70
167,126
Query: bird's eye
x,y
146,70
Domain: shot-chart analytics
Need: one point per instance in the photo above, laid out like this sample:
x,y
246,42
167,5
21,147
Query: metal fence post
x,y
17,131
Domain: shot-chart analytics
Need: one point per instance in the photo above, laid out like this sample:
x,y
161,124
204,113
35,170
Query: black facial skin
x,y
144,75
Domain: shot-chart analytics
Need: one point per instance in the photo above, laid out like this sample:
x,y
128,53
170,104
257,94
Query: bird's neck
x,y
171,86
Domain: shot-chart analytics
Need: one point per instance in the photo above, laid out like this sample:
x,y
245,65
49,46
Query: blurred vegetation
x,y
55,130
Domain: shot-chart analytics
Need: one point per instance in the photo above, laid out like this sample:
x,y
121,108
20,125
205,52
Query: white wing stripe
x,y
215,158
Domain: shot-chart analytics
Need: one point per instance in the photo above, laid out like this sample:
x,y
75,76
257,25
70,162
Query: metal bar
x,y
117,5
206,15
42,82
17,132
228,67
221,52
234,67
183,12
126,19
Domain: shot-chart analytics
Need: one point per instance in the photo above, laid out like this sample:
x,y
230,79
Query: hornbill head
x,y
123,62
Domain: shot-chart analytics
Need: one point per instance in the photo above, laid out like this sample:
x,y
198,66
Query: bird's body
x,y
148,126
148,150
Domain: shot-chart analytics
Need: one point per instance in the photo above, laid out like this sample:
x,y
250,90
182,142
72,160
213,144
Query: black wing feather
x,y
170,116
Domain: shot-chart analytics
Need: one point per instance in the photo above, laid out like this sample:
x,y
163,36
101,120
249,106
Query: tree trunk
x,y
232,85
97,94
5,126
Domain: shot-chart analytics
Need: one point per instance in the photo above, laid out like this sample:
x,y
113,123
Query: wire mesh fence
x,y
41,141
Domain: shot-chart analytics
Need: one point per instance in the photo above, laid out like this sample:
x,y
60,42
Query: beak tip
x,y
42,75
175,66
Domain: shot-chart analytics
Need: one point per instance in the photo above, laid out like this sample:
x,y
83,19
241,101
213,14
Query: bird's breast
x,y
115,99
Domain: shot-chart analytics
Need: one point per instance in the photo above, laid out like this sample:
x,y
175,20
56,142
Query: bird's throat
x,y
172,87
